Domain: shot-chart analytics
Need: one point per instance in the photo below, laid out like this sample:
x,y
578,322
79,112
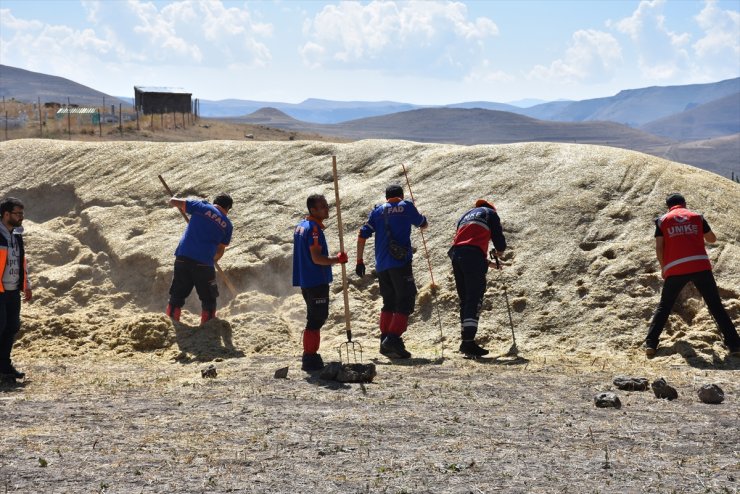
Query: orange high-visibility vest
x,y
683,242
4,258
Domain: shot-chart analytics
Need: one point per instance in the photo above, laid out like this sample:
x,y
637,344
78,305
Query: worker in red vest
x,y
679,245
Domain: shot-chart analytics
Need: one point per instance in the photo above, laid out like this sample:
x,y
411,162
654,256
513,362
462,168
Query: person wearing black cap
x,y
469,254
679,246
391,224
201,246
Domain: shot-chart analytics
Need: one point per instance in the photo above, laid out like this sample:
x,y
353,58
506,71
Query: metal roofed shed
x,y
82,114
77,111
157,100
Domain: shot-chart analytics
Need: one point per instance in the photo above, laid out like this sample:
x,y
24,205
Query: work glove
x,y
342,257
360,268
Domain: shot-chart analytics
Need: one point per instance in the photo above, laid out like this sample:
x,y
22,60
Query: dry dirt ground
x,y
432,425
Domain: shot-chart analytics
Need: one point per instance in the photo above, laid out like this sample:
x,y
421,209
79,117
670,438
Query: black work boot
x,y
383,350
312,362
392,347
471,349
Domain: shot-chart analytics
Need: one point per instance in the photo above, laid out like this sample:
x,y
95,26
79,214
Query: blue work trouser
x,y
469,265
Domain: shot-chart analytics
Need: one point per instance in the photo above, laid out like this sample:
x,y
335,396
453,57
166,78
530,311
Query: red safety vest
x,y
474,229
683,242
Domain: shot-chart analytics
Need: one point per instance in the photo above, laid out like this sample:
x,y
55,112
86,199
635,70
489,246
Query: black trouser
x,y
10,323
190,273
704,282
469,266
398,289
317,306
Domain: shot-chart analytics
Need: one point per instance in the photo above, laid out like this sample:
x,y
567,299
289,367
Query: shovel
x,y
220,272
513,351
354,346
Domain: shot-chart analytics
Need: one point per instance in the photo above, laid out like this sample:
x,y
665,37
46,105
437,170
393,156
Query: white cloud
x,y
31,38
486,73
721,32
661,53
592,56
397,37
92,7
10,23
185,32
312,51
634,25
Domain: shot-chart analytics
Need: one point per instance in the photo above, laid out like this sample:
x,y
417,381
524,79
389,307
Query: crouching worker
x,y
679,246
470,264
312,272
391,224
203,243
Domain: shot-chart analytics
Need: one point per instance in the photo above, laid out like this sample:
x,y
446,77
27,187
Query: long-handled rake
x,y
513,351
220,272
431,273
355,346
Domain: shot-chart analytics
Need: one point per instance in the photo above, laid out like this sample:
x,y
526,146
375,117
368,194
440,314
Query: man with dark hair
x,y
203,243
391,224
223,200
679,246
312,272
469,254
13,281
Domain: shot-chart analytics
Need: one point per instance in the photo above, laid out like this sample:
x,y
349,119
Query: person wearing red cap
x,y
469,254
679,246
312,272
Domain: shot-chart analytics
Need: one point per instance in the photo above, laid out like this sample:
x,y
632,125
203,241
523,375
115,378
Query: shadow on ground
x,y
697,360
203,343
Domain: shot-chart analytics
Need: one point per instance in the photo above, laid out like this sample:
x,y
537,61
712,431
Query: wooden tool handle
x,y
341,248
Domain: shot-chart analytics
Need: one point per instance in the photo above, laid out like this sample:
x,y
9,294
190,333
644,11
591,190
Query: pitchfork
x,y
355,346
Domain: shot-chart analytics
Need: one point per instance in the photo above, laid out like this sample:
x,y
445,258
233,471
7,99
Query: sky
x,y
420,52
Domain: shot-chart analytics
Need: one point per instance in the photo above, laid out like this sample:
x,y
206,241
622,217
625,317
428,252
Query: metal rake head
x,y
350,346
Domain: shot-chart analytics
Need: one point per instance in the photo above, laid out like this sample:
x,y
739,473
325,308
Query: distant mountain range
x,y
634,107
697,124
24,85
675,112
479,126
720,117
465,126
